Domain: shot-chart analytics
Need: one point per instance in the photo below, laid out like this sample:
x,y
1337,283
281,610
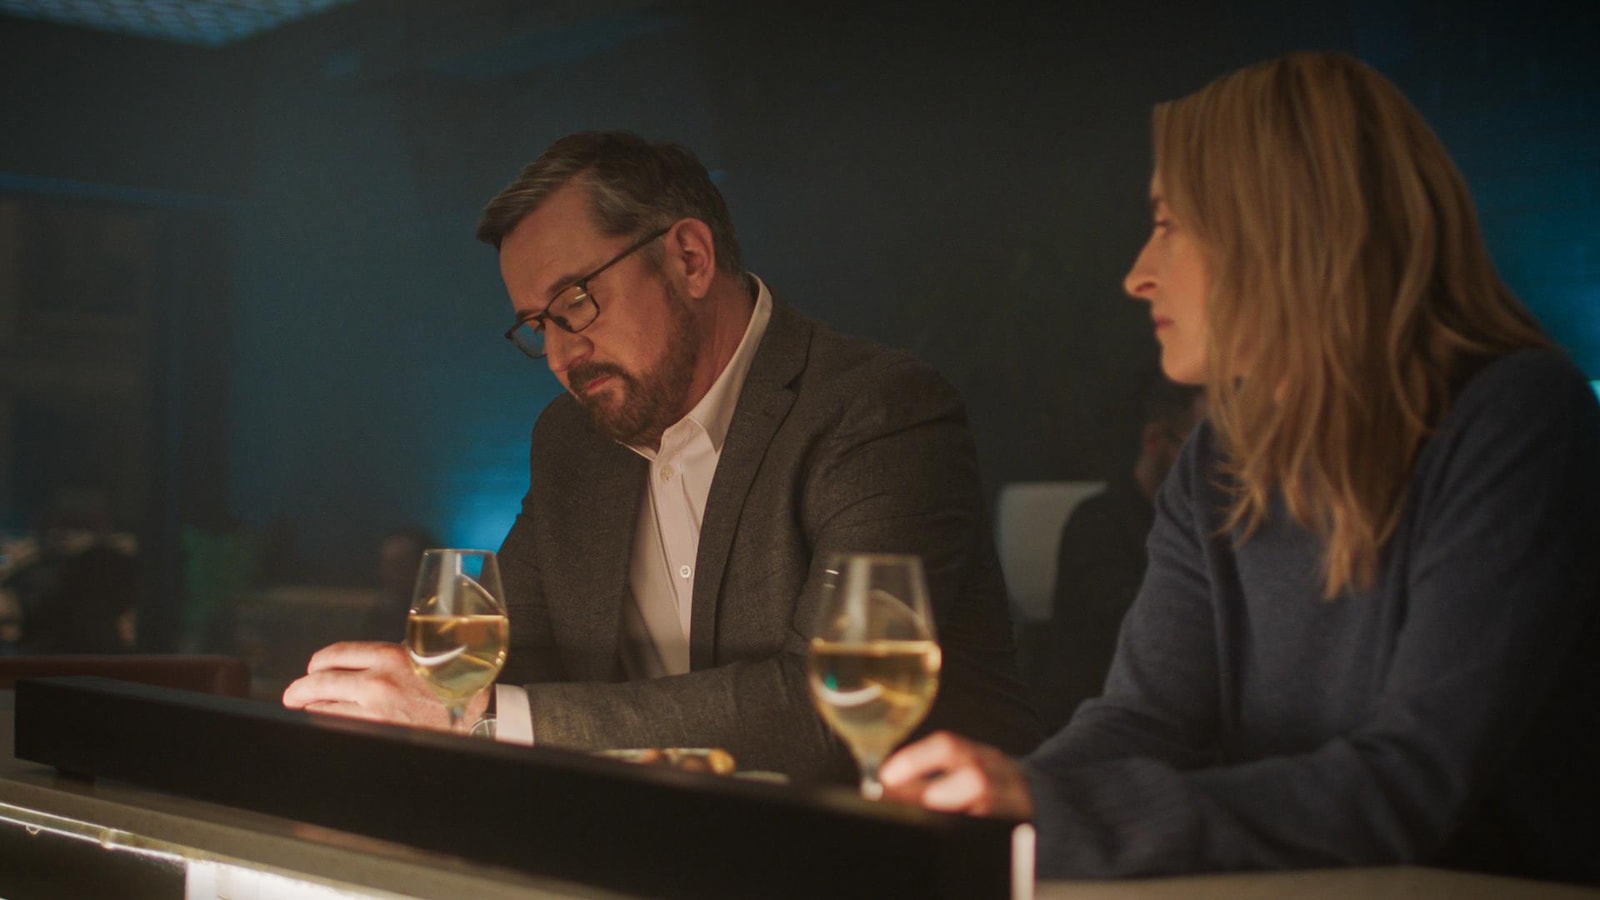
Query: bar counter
x,y
62,835
157,841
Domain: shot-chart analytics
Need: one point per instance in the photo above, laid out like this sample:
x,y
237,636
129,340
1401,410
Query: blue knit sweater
x,y
1445,716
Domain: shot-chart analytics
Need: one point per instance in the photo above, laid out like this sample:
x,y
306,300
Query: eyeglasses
x,y
572,310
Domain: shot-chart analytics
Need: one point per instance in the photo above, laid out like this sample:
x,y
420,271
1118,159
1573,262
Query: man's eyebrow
x,y
556,287
561,283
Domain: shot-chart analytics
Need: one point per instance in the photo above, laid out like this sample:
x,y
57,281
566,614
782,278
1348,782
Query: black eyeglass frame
x,y
582,284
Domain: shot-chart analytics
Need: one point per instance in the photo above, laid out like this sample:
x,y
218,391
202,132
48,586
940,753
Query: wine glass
x,y
457,630
874,664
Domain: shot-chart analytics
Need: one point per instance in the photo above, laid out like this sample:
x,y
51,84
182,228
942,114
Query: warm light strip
x,y
205,874
114,839
1024,842
208,879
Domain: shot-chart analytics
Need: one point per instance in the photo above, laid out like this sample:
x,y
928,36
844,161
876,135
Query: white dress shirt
x,y
666,539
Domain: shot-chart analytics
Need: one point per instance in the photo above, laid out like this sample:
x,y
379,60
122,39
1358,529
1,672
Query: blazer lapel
x,y
763,403
602,523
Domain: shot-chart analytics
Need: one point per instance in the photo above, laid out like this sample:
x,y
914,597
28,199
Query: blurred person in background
x,y
399,557
1101,562
75,586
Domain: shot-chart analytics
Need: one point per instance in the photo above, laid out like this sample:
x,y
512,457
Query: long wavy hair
x,y
1351,291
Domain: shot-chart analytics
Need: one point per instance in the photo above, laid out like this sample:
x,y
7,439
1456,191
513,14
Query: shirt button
x,y
684,571
666,473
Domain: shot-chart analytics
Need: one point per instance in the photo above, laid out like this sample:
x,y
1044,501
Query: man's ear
x,y
692,253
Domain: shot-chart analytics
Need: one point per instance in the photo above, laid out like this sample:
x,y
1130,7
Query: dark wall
x,y
972,185
967,185
122,112
120,167
1513,89
372,384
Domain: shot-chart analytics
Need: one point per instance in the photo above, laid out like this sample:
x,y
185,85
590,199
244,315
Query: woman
x,y
1369,632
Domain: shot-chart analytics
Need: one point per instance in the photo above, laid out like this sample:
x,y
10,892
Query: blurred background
x,y
247,340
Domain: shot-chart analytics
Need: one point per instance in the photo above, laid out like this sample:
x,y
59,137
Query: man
x,y
1101,563
712,448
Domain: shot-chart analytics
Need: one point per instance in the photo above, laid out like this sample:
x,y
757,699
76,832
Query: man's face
x,y
632,367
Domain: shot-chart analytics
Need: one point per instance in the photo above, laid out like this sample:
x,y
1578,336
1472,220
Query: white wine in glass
x,y
457,632
874,663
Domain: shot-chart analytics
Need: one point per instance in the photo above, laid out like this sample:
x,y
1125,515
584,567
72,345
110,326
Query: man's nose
x,y
563,349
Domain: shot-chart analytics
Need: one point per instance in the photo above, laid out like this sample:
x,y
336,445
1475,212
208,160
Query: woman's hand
x,y
952,774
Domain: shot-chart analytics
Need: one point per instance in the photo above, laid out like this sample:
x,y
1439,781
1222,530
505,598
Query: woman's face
x,y
1171,276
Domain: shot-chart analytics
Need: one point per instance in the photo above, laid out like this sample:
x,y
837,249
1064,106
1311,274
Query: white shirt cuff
x,y
513,715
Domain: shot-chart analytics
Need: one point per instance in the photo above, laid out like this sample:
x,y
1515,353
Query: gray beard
x,y
651,403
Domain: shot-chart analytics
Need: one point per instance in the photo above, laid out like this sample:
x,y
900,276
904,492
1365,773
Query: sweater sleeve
x,y
1499,588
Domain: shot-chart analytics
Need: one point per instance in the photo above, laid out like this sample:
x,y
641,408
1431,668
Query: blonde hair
x,y
1350,285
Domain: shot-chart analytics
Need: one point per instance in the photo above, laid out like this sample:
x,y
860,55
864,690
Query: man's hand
x,y
952,774
368,680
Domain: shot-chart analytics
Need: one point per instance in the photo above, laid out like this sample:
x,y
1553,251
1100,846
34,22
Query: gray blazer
x,y
835,444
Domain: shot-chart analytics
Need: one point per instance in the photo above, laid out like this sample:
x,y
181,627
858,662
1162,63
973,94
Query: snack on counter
x,y
689,759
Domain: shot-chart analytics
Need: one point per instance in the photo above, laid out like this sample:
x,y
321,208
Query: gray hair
x,y
634,186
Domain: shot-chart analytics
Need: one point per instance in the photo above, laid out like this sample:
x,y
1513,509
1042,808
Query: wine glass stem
x,y
871,787
455,717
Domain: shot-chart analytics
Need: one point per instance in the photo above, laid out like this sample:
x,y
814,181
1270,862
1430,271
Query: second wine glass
x,y
874,662
457,631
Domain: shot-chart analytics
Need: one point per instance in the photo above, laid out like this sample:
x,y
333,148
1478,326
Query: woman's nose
x,y
1141,279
